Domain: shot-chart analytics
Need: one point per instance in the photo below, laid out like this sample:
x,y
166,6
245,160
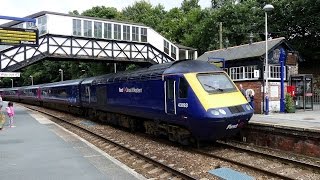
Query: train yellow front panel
x,y
214,100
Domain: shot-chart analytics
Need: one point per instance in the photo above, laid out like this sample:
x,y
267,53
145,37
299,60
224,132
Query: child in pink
x,y
10,112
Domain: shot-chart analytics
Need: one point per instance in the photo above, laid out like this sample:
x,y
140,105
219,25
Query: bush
x,y
290,106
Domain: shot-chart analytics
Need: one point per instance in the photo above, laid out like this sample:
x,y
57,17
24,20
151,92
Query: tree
x,y
188,5
103,12
299,22
144,12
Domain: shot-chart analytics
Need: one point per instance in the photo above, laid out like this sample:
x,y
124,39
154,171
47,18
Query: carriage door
x,y
170,95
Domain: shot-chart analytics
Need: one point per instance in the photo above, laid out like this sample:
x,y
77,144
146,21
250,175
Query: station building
x,y
245,65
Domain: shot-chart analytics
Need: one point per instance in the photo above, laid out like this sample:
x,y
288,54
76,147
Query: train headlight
x,y
215,112
222,111
248,107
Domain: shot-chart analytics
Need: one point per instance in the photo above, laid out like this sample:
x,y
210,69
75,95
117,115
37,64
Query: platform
x,y
39,149
300,120
297,132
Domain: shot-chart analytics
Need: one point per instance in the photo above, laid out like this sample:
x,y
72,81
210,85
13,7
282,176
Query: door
x,y
170,95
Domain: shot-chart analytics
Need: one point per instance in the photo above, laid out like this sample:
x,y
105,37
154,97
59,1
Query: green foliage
x,y
144,12
290,106
103,12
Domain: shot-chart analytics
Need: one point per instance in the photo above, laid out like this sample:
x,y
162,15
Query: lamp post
x,y
31,80
61,72
11,83
266,9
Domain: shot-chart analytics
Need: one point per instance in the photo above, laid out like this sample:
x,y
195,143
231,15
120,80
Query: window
x,y
170,87
183,88
30,25
166,46
135,33
18,25
126,33
182,54
173,52
190,54
144,35
249,72
98,29
274,72
76,26
108,30
236,73
116,31
87,28
242,72
42,25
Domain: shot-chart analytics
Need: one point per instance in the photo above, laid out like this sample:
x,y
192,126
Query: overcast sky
x,y
22,8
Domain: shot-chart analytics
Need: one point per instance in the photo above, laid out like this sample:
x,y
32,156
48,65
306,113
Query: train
x,y
187,101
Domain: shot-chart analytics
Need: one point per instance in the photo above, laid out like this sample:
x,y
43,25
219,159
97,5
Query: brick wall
x,y
258,95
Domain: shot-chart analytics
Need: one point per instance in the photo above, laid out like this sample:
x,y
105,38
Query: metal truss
x,y
68,48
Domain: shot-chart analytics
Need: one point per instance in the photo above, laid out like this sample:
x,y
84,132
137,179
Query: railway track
x,y
138,159
152,166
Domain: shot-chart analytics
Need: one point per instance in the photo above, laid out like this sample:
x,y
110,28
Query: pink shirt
x,y
10,111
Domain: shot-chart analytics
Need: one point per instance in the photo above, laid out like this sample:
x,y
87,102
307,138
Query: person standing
x,y
243,91
10,112
251,99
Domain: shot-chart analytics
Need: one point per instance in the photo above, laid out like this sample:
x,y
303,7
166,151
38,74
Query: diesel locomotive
x,y
187,101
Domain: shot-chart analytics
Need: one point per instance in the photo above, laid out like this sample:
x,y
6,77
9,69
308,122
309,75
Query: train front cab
x,y
209,104
223,110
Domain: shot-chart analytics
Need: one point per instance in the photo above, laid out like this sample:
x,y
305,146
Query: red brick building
x,y
245,65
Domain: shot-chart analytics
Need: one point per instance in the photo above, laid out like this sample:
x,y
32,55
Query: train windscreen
x,y
216,82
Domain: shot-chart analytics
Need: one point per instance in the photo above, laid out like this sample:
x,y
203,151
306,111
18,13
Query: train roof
x,y
63,83
156,71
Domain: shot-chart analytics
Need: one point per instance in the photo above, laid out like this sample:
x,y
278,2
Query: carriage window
x,y
183,88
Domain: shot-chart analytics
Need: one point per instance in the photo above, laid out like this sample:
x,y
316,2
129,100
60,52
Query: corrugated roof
x,y
243,51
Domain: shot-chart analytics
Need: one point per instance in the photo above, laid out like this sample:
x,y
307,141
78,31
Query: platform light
x,y
61,72
266,8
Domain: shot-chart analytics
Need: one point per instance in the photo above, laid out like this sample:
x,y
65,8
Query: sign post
x,y
282,59
9,74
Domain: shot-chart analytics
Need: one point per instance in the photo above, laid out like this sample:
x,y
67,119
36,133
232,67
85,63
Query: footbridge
x,y
65,37
67,48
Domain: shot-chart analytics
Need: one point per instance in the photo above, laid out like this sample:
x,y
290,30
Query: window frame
x,y
126,32
107,28
42,25
144,34
117,31
97,29
173,52
87,28
166,46
76,29
135,33
242,72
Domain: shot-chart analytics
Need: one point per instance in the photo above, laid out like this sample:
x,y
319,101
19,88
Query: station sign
x,y
18,36
9,74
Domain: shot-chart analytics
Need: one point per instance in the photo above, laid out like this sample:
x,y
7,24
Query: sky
x,y
22,8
